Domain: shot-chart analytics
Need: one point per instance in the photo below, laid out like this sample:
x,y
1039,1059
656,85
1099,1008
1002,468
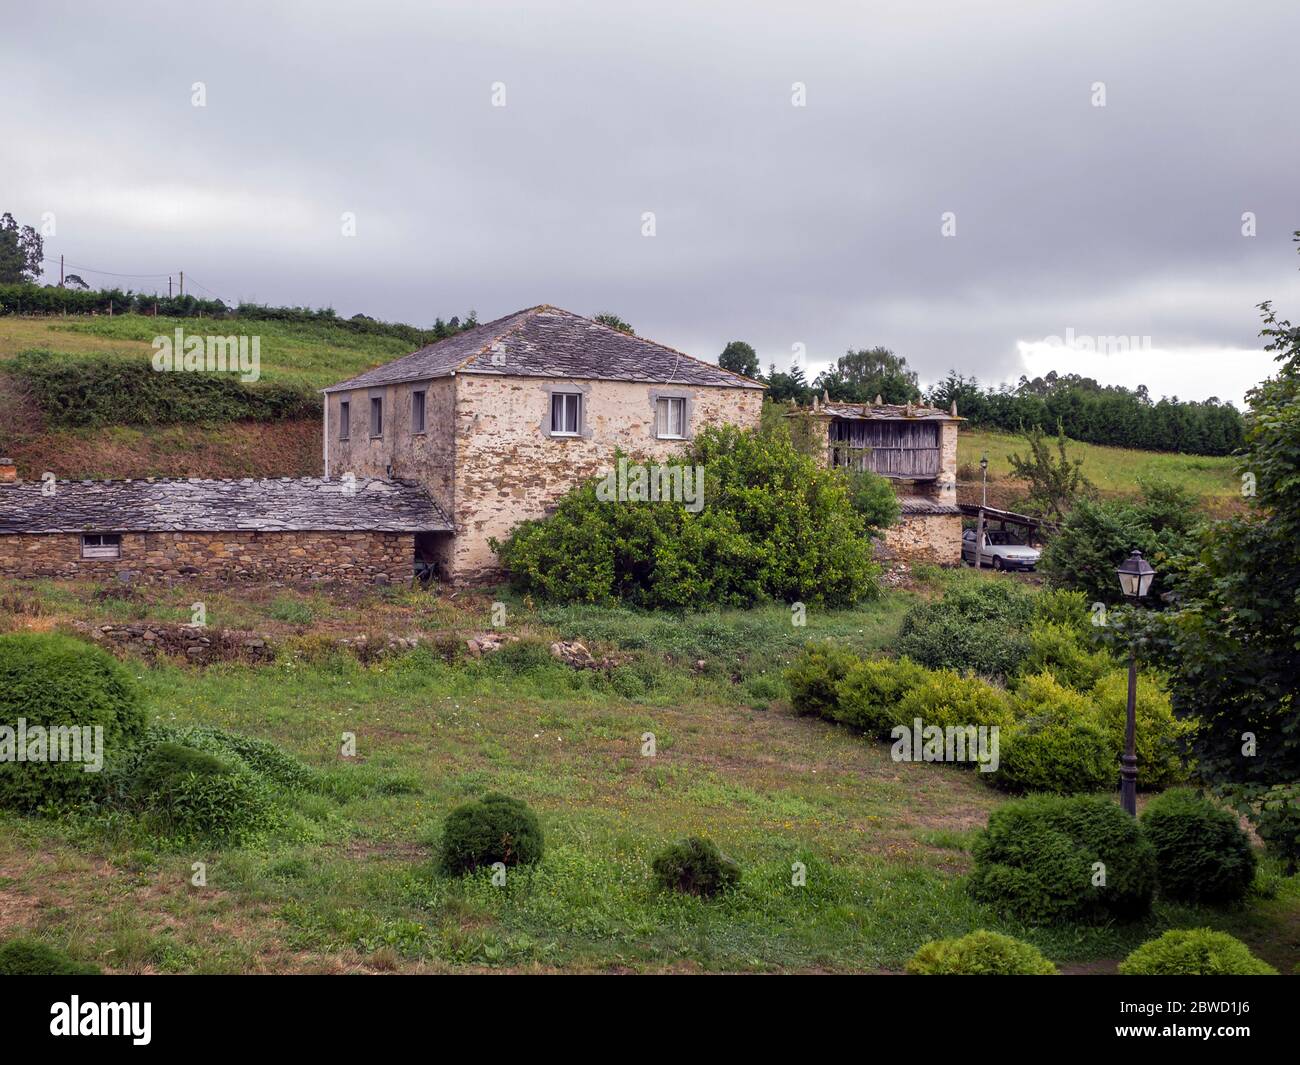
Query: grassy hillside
x,y
1114,470
306,354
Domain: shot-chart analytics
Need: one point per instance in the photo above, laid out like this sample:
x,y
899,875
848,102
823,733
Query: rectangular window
x,y
345,418
566,413
670,418
101,545
376,417
417,411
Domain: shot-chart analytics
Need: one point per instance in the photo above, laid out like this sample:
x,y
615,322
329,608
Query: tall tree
x,y
859,376
739,357
21,252
1054,482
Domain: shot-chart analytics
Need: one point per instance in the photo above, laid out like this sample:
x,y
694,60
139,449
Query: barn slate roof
x,y
911,505
546,341
884,412
287,504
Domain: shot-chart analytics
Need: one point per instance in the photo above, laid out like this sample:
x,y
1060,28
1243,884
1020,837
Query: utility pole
x,y
60,271
182,283
169,286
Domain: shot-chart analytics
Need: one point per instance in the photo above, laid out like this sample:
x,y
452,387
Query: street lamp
x,y
984,480
1135,576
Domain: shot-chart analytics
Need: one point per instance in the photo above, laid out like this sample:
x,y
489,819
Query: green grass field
x,y
1112,469
349,883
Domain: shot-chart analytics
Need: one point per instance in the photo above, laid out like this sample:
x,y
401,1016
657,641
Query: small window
x,y
417,411
670,418
376,417
566,413
345,419
101,545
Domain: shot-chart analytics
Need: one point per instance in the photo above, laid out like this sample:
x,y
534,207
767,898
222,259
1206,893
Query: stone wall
x,y
508,467
925,538
292,556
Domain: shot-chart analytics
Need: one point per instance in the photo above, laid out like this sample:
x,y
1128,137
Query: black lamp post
x,y
1135,576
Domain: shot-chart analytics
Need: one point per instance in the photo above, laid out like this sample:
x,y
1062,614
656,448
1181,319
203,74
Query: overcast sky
x,y
817,225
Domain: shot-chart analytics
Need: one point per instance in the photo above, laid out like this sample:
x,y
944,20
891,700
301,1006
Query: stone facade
x,y
154,556
925,538
488,458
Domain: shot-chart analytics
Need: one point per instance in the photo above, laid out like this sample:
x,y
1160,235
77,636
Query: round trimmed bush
x,y
814,677
1056,745
1194,952
980,953
30,957
694,866
946,698
195,795
871,691
1159,733
495,828
1051,859
1202,855
49,680
276,767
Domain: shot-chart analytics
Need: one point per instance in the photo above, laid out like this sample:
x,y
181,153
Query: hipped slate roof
x,y
549,342
305,504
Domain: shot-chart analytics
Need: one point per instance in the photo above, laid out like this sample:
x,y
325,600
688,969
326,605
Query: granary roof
x,y
922,505
549,342
883,412
285,504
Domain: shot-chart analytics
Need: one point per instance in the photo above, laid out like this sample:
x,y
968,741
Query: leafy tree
x,y
783,387
859,376
1232,643
75,281
614,322
739,357
1054,483
21,252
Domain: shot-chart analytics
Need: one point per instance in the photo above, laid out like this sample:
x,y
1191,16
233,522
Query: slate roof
x,y
887,412
192,505
921,505
549,342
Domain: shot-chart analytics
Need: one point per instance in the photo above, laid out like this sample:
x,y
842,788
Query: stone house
x,y
916,448
425,459
500,421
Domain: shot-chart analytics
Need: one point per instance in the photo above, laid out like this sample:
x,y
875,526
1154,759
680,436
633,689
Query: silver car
x,y
1001,551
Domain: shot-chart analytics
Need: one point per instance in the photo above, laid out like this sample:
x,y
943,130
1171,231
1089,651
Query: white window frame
x,y
567,400
423,408
99,549
376,417
345,419
663,426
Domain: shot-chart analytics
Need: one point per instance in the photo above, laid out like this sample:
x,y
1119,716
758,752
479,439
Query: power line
x,y
110,273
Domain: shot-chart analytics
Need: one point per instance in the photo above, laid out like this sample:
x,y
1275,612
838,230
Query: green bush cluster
x,y
980,953
495,828
1057,745
196,796
695,866
91,391
1050,859
1194,952
773,526
1202,853
49,680
30,957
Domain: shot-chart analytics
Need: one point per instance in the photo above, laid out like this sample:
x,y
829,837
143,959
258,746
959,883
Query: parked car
x,y
1001,551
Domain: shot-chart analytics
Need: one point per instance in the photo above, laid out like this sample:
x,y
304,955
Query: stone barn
x,y
916,448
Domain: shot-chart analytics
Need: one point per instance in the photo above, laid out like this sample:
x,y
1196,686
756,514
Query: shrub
x,y
30,957
50,680
1056,744
944,640
695,866
194,795
263,758
1060,606
980,953
1194,952
776,526
814,677
869,696
1202,855
1060,650
946,698
1159,733
493,829
1038,859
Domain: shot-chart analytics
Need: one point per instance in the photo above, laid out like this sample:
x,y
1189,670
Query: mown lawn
x,y
349,883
